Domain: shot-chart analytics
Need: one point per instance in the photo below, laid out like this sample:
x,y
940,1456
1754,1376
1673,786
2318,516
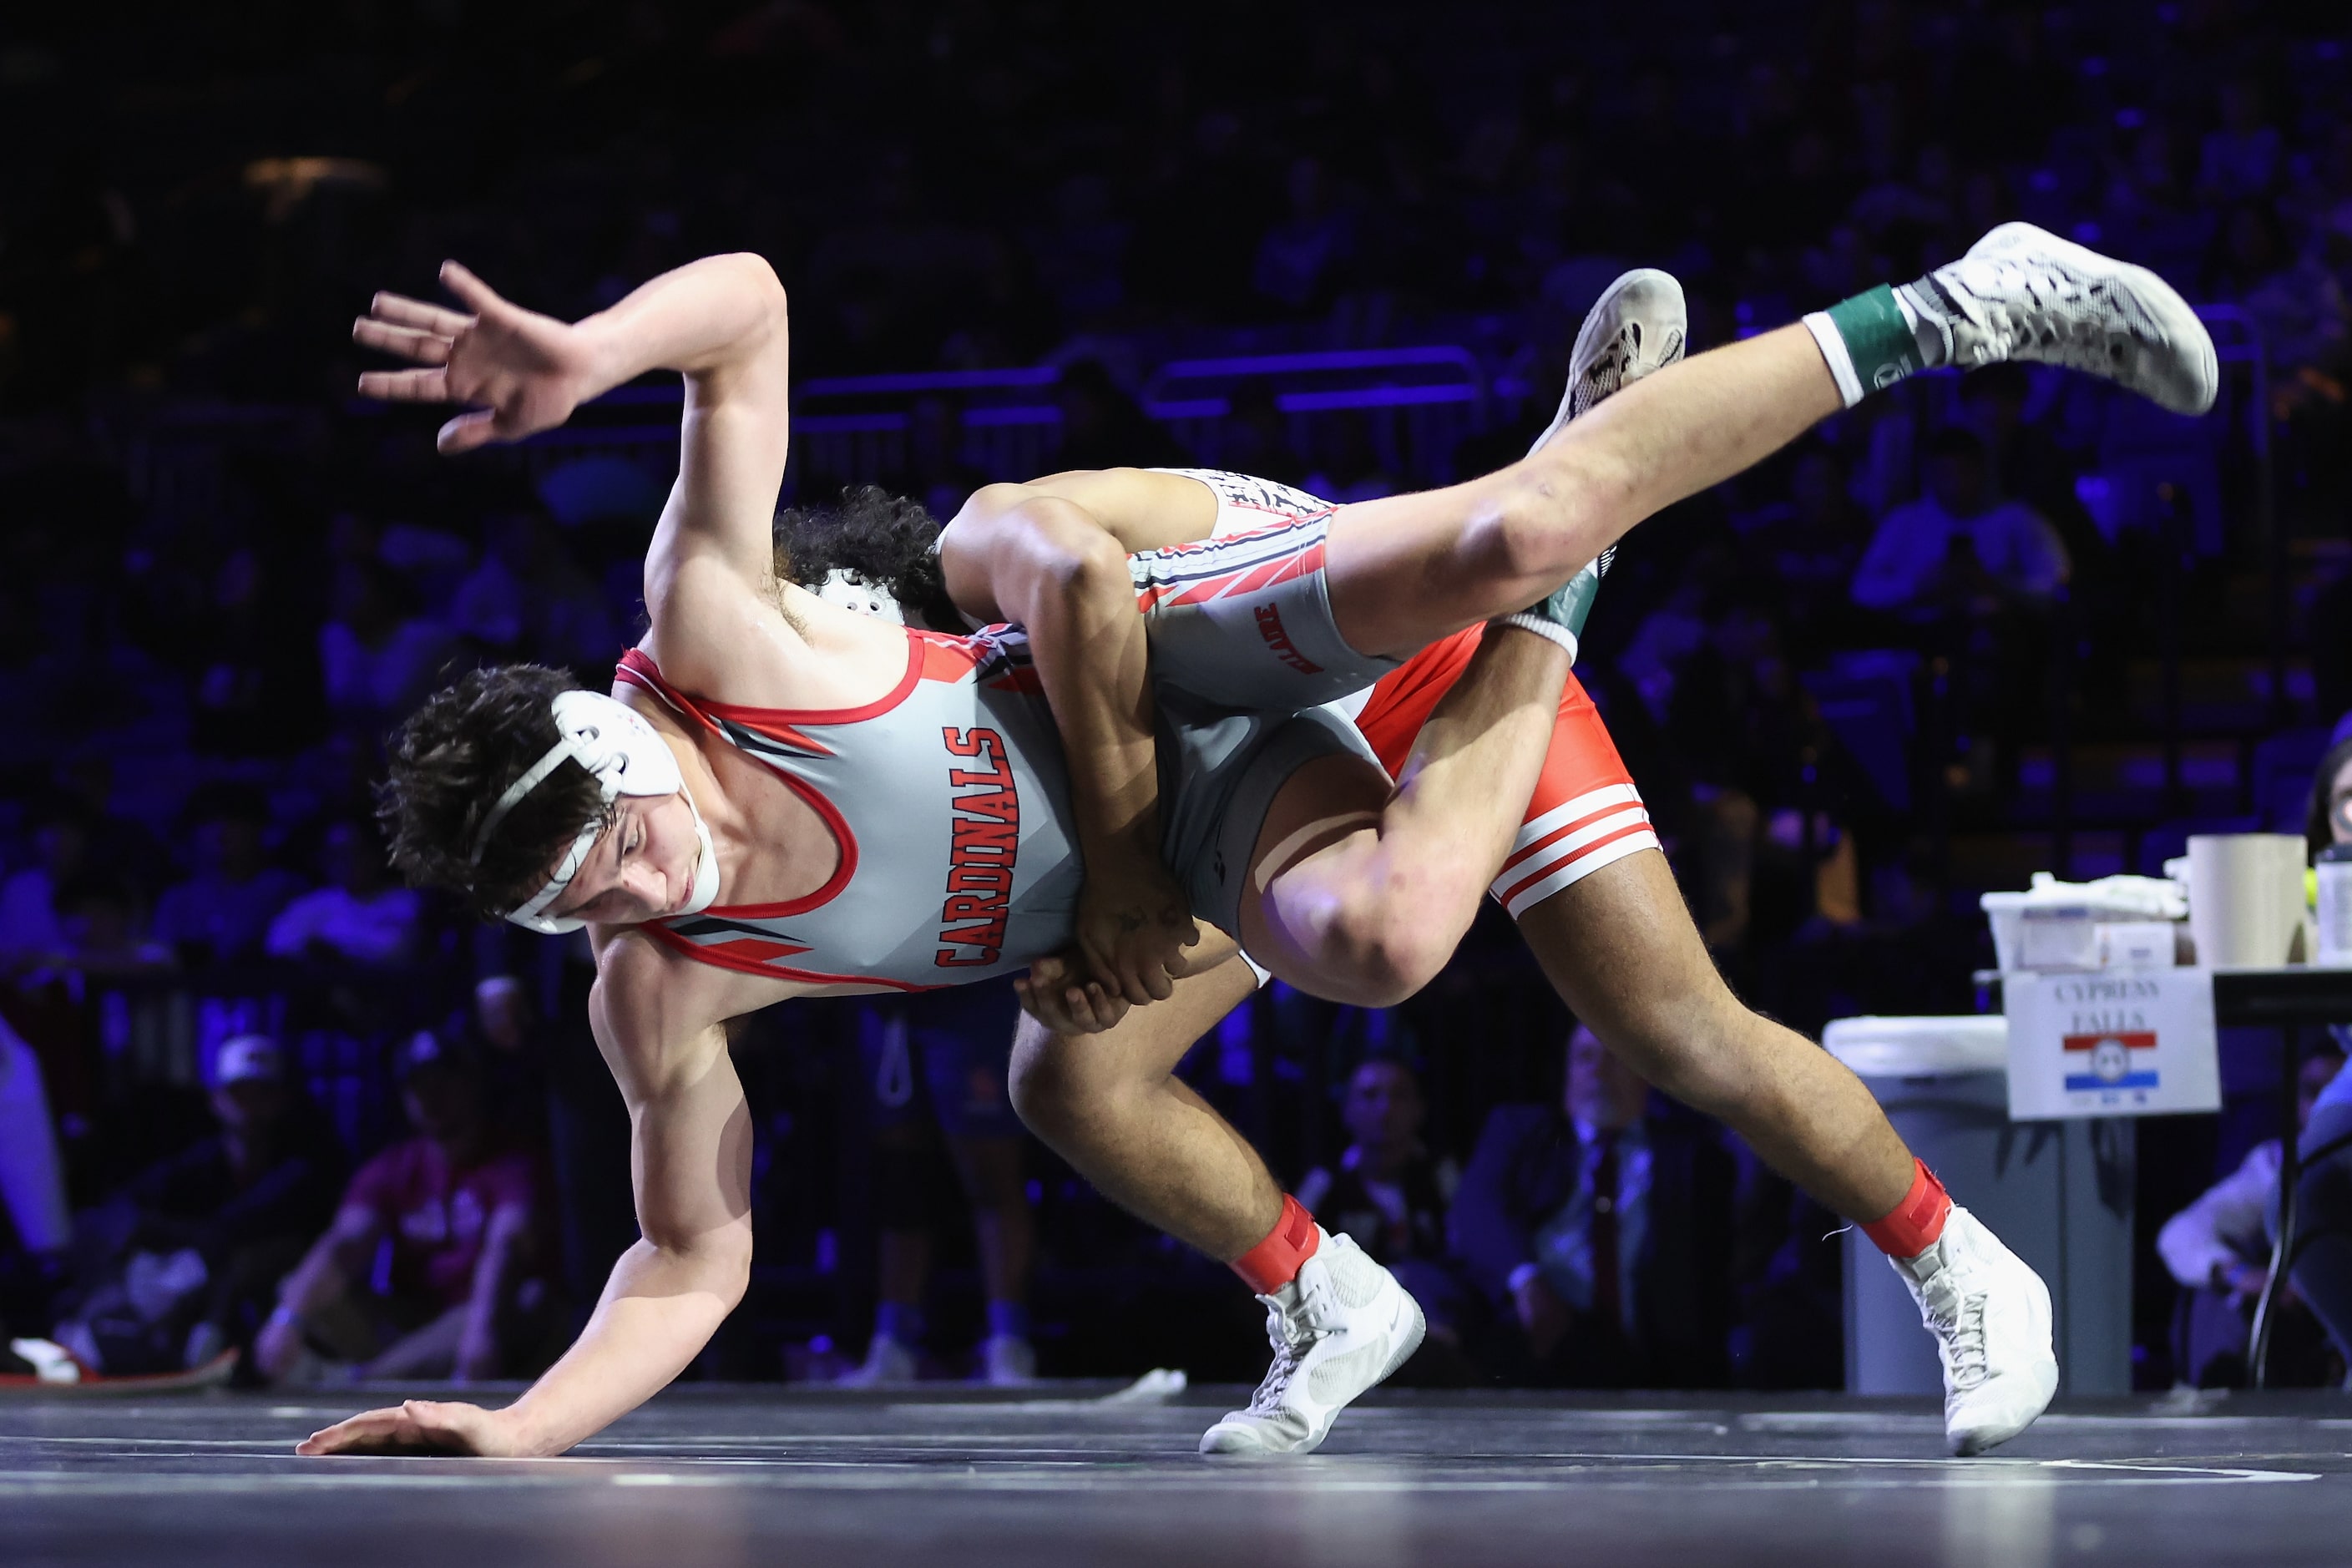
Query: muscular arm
x,y
691,1160
719,321
1018,553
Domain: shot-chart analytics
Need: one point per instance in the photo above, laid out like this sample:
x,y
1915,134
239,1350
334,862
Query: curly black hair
x,y
452,760
884,540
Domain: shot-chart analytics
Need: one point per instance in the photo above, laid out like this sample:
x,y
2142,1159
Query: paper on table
x,y
2115,1044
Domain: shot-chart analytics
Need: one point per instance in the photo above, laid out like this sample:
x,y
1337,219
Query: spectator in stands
x,y
223,911
1810,545
99,914
1351,469
254,686
2330,818
944,1057
530,599
360,916
936,472
2244,157
2297,304
32,1176
242,1203
2321,1271
2219,1249
1390,1193
461,1214
2026,462
1303,257
1256,434
1960,547
31,933
376,654
1600,1228
1103,426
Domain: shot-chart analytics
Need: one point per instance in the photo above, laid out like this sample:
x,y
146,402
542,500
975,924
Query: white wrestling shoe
x,y
1638,326
2023,293
886,1361
1338,1329
1990,1317
1007,1361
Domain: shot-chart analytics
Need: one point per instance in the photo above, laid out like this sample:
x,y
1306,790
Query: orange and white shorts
x,y
1585,813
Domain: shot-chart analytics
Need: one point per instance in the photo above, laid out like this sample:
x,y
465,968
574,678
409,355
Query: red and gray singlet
x,y
948,799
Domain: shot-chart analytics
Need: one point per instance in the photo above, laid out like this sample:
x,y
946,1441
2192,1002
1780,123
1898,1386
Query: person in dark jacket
x,y
1600,1229
1390,1194
194,1244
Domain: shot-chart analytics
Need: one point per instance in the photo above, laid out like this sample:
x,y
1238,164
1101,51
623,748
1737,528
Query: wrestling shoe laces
x,y
1989,1315
2022,293
1291,1338
1636,328
1955,1317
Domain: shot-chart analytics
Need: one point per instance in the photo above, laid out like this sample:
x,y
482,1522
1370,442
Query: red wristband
x,y
1274,1262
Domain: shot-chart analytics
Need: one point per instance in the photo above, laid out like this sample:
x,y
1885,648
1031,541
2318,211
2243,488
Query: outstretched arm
x,y
719,321
668,1293
1048,563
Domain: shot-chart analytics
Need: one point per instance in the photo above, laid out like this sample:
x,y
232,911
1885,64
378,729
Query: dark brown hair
x,y
884,540
450,762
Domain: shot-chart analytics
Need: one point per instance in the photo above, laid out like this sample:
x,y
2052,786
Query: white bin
x,y
2059,1193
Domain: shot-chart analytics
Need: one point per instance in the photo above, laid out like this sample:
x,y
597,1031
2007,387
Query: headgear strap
x,y
614,743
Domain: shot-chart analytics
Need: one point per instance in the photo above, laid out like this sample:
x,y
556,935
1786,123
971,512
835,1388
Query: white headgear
x,y
614,743
854,593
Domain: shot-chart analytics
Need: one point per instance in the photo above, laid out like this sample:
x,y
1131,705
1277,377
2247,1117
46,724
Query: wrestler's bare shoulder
x,y
1144,509
765,645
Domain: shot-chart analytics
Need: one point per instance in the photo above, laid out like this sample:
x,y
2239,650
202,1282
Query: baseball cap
x,y
242,1058
425,1049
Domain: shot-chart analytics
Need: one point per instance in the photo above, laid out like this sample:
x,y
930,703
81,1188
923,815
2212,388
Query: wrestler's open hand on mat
x,y
521,372
419,1427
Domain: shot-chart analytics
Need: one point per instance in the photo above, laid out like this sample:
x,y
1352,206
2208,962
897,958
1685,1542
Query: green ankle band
x,y
1878,339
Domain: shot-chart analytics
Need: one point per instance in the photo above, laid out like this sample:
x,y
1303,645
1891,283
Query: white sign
x,y
2117,1043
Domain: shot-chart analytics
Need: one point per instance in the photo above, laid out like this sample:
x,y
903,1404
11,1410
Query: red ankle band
x,y
1917,1220
1274,1262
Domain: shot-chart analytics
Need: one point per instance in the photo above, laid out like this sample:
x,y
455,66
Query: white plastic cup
x,y
2245,898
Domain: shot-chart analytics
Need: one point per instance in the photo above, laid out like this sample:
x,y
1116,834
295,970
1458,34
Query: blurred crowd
x,y
345,1131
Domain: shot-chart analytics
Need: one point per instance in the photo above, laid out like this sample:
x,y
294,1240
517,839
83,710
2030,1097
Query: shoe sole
x,y
1407,1342
2173,316
1591,335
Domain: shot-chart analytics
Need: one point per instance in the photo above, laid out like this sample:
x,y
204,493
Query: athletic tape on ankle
x,y
1868,343
1275,1262
1918,1221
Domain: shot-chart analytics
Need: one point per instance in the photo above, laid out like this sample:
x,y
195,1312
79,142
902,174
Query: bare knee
x,y
1065,1089
1384,944
1039,1081
1544,525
